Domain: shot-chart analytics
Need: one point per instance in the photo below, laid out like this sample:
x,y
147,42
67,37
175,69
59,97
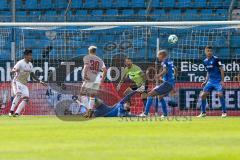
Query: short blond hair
x,y
92,49
163,51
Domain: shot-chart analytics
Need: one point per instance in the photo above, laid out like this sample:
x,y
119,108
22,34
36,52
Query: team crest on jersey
x,y
210,66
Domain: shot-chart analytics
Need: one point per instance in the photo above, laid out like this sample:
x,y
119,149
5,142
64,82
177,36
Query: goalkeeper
x,y
134,75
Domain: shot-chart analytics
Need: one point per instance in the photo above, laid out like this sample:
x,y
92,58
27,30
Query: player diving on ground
x,y
120,109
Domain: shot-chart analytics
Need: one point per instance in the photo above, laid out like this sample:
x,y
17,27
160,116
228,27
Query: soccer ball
x,y
172,39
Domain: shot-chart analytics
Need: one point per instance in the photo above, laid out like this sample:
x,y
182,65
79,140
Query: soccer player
x,y
214,81
167,85
93,65
22,70
134,75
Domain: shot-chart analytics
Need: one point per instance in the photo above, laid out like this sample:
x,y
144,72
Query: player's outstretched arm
x,y
36,79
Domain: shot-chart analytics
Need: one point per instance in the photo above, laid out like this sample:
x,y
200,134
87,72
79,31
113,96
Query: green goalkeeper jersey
x,y
135,74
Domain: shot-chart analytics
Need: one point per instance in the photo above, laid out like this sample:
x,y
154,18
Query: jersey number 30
x,y
94,65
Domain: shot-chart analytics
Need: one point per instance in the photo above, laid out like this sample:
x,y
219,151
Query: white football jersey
x,y
95,64
23,70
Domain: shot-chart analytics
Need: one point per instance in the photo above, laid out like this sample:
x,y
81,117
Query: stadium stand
x,y
177,10
123,10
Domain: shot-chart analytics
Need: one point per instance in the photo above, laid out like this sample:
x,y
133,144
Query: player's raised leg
x,y
167,85
93,66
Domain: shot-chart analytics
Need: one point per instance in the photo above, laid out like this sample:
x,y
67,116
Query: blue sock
x,y
164,107
222,101
148,105
203,105
156,105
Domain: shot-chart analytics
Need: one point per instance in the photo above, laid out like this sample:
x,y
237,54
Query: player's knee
x,y
26,99
151,94
160,97
220,94
127,91
18,95
203,95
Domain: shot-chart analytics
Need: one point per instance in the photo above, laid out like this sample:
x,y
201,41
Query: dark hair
x,y
27,52
209,47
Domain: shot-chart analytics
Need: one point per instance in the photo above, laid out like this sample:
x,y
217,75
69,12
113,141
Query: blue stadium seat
x,y
112,12
127,12
226,3
184,3
81,15
219,3
60,4
235,41
51,16
224,53
158,15
138,3
199,4
18,4
221,14
168,3
111,15
121,3
90,4
76,4
5,54
45,4
31,4
97,15
3,5
175,14
191,14
220,41
106,4
21,16
34,16
5,16
236,52
156,3
142,12
206,14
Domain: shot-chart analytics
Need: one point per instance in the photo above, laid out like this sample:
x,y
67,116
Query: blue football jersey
x,y
212,65
169,76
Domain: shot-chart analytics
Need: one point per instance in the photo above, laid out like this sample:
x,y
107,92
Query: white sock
x,y
21,106
85,101
91,103
15,102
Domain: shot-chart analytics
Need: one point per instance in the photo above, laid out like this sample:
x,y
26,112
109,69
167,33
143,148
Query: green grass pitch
x,y
48,138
